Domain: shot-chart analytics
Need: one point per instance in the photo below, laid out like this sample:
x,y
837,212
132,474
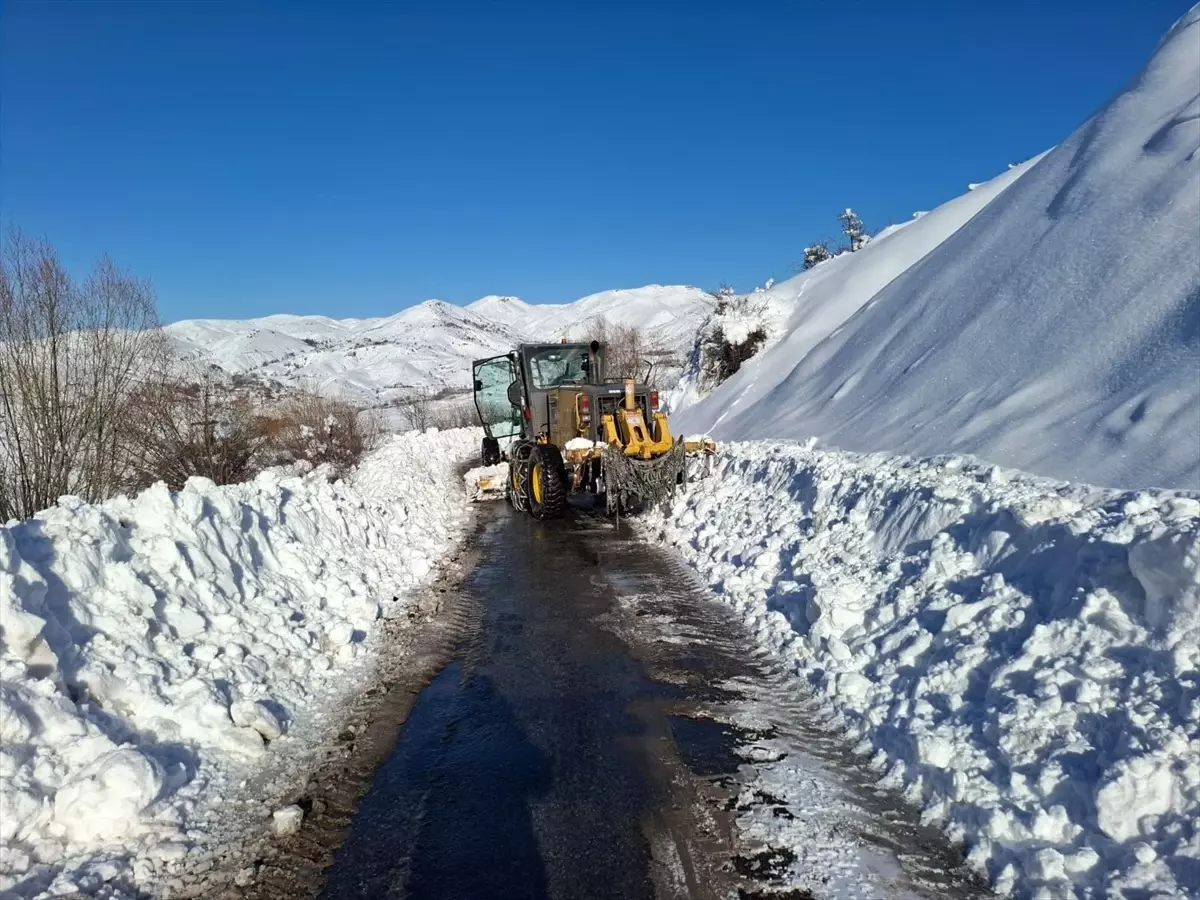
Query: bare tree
x,y
416,409
455,414
71,359
185,423
626,349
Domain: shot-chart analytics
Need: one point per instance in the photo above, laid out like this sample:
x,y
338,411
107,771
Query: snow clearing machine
x,y
563,427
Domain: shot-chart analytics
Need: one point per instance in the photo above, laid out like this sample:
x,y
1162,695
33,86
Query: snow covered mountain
x,y
431,345
1056,331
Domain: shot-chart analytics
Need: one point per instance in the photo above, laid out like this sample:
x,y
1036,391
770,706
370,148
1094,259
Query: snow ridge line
x,y
1018,656
155,650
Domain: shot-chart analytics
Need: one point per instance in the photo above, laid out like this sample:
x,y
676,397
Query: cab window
x,y
556,366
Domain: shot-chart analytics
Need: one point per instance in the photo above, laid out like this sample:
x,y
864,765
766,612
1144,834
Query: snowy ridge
x,y
430,345
1017,656
1055,332
800,312
155,647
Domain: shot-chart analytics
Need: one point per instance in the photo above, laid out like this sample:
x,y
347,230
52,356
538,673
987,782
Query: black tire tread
x,y
554,483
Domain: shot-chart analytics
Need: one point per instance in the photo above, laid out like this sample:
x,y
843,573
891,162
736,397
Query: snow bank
x,y
1057,332
1018,656
149,643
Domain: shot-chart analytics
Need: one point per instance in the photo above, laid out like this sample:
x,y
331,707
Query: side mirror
x,y
478,385
514,394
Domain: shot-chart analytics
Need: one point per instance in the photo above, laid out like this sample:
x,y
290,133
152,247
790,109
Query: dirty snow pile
x,y
1058,331
1020,657
152,644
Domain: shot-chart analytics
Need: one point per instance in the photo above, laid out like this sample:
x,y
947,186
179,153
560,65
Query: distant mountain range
x,y
431,345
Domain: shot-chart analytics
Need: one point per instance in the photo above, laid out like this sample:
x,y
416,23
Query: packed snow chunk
x,y
104,801
258,715
287,821
579,443
1045,321
1017,655
1142,791
152,646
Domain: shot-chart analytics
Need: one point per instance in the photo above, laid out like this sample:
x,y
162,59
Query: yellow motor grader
x,y
565,428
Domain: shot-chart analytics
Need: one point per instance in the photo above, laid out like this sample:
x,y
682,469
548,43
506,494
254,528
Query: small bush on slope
x,y
723,357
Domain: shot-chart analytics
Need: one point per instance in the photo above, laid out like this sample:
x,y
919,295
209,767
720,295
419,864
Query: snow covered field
x,y
159,650
1018,656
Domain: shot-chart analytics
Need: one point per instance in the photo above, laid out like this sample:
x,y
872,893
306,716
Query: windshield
x,y
555,366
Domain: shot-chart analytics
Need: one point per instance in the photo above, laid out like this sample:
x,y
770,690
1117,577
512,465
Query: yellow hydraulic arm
x,y
628,429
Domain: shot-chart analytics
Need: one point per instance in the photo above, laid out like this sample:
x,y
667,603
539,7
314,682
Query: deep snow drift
x,y
1019,657
155,648
1057,332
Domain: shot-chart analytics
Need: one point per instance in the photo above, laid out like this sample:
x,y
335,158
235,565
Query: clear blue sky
x,y
353,158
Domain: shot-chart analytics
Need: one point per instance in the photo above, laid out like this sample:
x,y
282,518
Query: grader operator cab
x,y
564,427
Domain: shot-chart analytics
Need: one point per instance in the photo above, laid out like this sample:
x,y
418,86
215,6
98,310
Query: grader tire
x,y
489,451
545,483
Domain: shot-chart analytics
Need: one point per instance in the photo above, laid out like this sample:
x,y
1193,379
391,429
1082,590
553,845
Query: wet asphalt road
x,y
548,758
514,776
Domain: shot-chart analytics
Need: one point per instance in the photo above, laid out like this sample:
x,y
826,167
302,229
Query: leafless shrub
x,y
626,352
183,426
417,409
193,423
455,414
72,357
322,431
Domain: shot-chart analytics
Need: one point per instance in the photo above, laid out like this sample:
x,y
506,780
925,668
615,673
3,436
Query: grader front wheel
x,y
544,483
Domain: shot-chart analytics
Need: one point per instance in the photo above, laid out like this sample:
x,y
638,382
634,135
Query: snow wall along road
x,y
1020,657
156,650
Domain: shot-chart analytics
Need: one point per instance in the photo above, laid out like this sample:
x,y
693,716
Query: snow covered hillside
x,y
159,650
1019,657
431,345
799,313
1058,331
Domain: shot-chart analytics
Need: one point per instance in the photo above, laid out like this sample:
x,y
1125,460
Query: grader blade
x,y
487,482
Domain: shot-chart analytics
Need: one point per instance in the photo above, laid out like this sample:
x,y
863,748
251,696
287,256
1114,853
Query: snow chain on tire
x,y
546,460
514,490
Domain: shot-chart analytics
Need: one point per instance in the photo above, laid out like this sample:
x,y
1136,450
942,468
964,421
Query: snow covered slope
x,y
801,312
373,361
1017,656
1057,332
156,651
